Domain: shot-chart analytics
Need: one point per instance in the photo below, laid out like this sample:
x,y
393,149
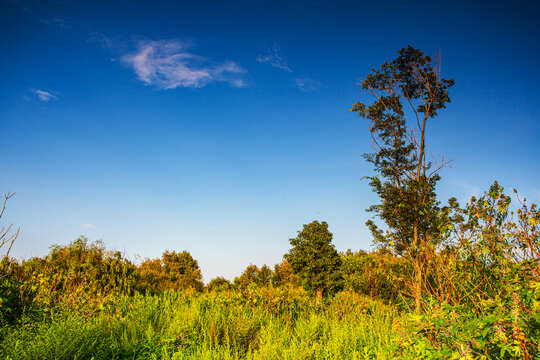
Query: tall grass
x,y
229,325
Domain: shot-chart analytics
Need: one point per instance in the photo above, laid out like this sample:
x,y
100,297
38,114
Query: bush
x,y
81,274
219,284
490,302
375,274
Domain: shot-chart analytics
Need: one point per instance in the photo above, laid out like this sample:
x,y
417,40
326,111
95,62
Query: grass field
x,y
269,324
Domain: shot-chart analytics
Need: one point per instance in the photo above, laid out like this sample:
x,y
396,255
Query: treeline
x,y
480,287
484,246
86,271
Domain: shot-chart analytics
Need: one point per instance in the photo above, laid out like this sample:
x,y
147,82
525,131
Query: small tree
x,y
374,273
283,274
253,275
407,181
173,271
264,276
314,259
182,269
248,276
219,284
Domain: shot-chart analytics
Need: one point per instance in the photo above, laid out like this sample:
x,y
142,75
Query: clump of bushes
x,y
80,274
174,271
487,298
376,274
85,275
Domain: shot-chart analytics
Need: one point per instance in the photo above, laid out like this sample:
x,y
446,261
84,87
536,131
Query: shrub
x,y
490,302
219,284
80,274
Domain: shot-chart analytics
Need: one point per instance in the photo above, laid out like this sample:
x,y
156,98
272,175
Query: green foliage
x,y
85,275
498,253
88,264
262,323
375,274
406,189
81,273
11,306
481,300
406,182
219,284
490,304
284,275
264,277
314,259
173,271
253,275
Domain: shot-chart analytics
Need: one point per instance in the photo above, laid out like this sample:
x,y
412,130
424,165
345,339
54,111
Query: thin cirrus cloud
x,y
57,22
307,85
167,64
43,95
274,59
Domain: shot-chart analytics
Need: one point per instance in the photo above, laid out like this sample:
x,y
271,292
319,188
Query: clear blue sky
x,y
221,127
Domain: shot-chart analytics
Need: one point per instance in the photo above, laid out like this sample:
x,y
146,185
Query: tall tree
x,y
409,85
314,258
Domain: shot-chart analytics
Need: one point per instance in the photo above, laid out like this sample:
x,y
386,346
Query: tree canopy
x,y
173,271
314,258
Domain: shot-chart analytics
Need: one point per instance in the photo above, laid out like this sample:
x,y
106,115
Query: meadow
x,y
481,300
269,324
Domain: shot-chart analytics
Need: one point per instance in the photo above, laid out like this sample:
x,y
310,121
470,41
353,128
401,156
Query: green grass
x,y
210,326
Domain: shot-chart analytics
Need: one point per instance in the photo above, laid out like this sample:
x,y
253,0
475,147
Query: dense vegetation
x,y
443,281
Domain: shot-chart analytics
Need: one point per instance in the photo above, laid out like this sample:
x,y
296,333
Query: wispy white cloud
x,y
307,84
56,21
274,59
88,226
44,95
109,43
167,64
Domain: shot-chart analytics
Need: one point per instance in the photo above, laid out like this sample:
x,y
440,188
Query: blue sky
x,y
221,127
